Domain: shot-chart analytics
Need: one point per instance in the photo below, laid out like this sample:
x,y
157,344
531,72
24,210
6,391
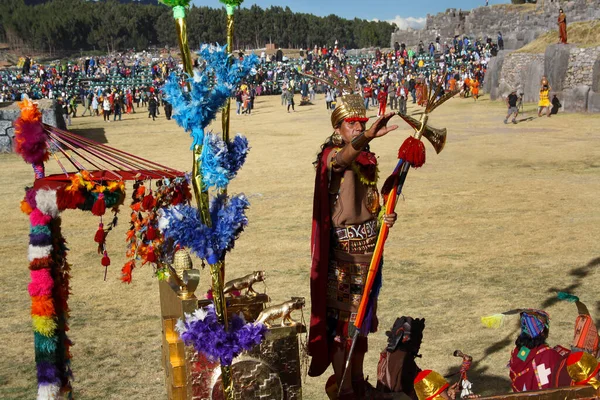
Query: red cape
x,y
318,346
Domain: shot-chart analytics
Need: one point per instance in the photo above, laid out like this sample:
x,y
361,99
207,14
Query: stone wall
x,y
573,73
581,66
518,24
10,112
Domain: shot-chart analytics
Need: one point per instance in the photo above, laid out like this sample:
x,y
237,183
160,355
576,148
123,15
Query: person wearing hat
x,y
344,234
511,101
583,369
533,364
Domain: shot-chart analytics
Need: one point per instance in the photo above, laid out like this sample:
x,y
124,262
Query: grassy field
x,y
504,217
581,34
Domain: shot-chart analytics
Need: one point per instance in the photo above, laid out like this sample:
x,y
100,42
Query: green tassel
x,y
568,297
175,3
232,3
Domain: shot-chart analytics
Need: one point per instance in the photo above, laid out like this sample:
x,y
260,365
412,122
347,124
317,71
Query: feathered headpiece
x,y
351,105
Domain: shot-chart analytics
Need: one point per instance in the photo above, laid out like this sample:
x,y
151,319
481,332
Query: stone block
x,y
5,126
556,64
596,76
531,75
576,99
593,102
5,144
492,75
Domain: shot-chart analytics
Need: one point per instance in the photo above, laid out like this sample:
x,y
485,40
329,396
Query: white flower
x,y
200,314
180,326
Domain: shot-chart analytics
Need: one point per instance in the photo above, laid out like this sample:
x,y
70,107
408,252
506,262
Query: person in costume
x,y
475,89
544,102
562,26
345,226
583,369
533,364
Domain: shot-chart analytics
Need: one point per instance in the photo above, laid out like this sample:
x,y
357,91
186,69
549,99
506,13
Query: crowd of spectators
x,y
134,78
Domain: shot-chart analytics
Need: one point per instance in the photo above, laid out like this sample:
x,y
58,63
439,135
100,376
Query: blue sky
x,y
403,12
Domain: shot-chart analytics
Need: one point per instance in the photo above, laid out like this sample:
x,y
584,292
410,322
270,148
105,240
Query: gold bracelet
x,y
360,142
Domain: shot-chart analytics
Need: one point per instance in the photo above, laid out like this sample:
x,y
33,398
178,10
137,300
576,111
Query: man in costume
x,y
533,364
562,26
344,233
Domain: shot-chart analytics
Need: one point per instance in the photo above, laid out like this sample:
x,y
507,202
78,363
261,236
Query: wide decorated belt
x,y
356,239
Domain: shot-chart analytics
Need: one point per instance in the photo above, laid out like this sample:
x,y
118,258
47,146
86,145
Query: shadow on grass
x,y
484,383
580,274
95,134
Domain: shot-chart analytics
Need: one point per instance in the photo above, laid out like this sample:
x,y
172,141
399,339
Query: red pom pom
x,y
105,260
413,152
99,237
99,207
150,233
150,255
148,202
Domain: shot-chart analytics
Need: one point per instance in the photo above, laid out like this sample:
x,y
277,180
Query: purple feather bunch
x,y
203,331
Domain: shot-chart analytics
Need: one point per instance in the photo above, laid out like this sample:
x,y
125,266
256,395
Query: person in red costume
x,y
382,98
533,364
344,232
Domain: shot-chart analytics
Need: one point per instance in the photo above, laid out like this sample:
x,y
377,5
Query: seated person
x,y
555,105
533,364
583,369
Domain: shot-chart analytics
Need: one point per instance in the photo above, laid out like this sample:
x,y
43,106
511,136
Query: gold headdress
x,y
429,385
583,369
351,105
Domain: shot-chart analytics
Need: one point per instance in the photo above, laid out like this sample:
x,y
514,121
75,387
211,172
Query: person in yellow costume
x,y
544,98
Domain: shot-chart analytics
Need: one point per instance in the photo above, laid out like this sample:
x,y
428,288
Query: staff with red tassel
x,y
411,153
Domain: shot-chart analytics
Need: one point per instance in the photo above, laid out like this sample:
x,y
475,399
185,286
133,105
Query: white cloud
x,y
410,22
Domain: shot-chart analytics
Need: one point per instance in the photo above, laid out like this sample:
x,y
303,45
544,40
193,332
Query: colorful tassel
x,y
151,255
148,202
100,237
412,151
105,259
99,207
41,283
568,297
493,321
150,233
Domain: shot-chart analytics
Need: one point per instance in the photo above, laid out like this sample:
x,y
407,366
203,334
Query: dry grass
x,y
581,34
504,217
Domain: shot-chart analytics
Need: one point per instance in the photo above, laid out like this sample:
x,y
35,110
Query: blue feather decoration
x,y
183,224
221,161
210,88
